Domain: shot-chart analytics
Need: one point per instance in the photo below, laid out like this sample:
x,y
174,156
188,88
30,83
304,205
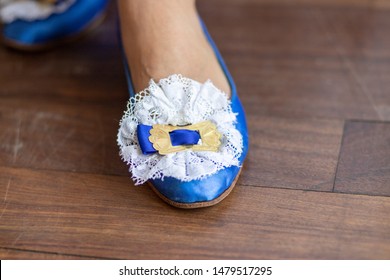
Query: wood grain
x,y
292,153
306,61
364,165
106,216
60,135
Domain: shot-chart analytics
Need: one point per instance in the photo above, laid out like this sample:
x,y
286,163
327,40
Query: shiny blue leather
x,y
209,188
56,26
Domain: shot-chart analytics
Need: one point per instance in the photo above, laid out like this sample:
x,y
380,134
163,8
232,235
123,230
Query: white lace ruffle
x,y
179,101
30,10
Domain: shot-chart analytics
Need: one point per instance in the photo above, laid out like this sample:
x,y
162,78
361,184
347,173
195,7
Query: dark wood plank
x,y
364,50
364,165
292,153
376,83
290,60
60,135
105,216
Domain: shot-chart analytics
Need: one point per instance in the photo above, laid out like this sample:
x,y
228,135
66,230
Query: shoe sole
x,y
51,45
197,204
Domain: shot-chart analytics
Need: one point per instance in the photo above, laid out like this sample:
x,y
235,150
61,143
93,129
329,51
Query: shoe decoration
x,y
179,128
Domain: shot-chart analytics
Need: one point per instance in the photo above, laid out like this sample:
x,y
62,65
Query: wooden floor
x,y
314,77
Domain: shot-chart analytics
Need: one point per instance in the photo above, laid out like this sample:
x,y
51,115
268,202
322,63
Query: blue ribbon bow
x,y
178,137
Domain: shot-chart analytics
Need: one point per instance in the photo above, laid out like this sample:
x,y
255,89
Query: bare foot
x,y
165,37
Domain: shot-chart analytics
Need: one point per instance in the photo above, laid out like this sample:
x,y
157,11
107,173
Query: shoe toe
x,y
206,190
24,32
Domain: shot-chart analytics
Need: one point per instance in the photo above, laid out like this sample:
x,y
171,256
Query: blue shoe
x,y
185,138
40,24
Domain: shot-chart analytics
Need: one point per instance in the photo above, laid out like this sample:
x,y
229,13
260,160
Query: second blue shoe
x,y
40,24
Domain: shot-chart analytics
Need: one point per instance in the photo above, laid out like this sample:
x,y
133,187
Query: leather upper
x,y
56,26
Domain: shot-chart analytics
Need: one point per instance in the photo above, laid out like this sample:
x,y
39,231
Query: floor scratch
x,y
5,198
17,239
18,145
6,190
346,61
60,145
3,211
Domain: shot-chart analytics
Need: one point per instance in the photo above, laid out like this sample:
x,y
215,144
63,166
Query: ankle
x,y
164,39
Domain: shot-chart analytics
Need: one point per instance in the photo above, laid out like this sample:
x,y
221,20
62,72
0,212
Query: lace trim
x,y
177,100
30,10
